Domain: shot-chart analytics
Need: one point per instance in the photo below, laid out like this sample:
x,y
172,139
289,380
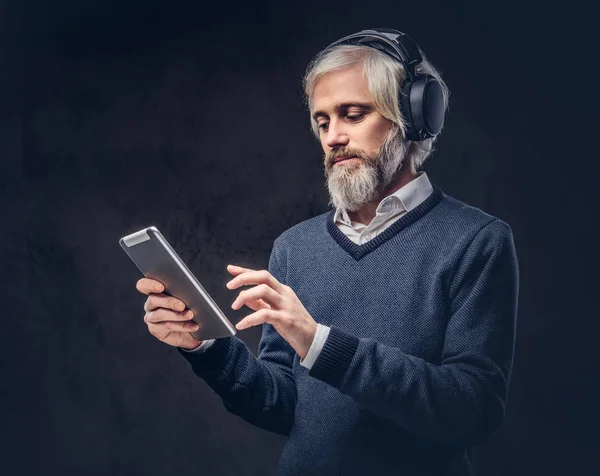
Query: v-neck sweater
x,y
415,370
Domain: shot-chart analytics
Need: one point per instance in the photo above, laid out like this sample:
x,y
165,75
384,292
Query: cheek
x,y
376,136
370,143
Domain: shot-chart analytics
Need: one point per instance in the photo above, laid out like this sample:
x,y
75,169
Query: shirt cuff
x,y
316,346
202,347
335,357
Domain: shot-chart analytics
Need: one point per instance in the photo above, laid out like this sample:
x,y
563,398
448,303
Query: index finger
x,y
147,286
250,276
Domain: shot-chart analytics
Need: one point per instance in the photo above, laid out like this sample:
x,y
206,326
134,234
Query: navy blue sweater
x,y
416,368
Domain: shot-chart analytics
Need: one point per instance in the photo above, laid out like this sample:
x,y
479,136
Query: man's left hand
x,y
275,304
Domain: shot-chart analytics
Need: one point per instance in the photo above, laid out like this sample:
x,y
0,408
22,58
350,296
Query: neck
x,y
366,214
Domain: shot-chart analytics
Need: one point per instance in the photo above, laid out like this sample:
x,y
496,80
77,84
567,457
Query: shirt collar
x,y
406,198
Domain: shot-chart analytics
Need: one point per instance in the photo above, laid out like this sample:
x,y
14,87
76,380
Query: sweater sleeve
x,y
462,397
260,390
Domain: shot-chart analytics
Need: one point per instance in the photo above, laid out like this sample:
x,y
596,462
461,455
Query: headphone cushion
x,y
406,109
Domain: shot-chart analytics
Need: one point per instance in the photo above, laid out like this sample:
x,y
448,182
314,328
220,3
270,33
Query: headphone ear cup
x,y
427,107
422,104
433,106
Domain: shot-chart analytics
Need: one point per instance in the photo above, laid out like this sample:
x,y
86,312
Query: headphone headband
x,y
400,46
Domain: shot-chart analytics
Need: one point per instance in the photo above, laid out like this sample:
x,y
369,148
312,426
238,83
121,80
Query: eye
x,y
323,126
355,117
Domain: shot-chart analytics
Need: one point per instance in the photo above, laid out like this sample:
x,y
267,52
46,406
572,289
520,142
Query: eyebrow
x,y
345,105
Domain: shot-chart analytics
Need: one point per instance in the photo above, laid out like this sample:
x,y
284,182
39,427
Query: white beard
x,y
353,185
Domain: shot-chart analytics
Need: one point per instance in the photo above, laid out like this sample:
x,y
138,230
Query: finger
x,y
256,277
235,270
259,317
263,291
164,315
156,301
258,305
164,328
147,286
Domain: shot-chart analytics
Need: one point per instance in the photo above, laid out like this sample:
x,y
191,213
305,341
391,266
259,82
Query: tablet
x,y
156,259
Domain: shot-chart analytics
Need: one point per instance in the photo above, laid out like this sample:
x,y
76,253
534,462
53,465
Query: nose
x,y
336,135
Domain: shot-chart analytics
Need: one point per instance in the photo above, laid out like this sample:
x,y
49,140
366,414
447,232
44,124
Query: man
x,y
389,322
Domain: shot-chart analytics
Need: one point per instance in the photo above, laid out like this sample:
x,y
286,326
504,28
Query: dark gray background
x,y
120,115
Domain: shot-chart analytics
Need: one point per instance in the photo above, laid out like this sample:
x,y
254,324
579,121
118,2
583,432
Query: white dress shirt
x,y
390,209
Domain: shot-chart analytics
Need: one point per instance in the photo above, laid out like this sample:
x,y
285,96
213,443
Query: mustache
x,y
333,155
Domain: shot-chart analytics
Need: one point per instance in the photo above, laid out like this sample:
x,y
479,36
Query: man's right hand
x,y
166,316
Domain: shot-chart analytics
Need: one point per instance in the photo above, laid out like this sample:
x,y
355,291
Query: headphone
x,y
421,98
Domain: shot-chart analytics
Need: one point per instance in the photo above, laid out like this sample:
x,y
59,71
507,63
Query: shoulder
x,y
306,231
468,233
458,218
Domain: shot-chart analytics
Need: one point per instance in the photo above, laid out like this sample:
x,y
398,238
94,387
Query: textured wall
x,y
121,115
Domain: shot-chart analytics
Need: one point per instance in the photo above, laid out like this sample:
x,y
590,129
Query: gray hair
x,y
384,75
